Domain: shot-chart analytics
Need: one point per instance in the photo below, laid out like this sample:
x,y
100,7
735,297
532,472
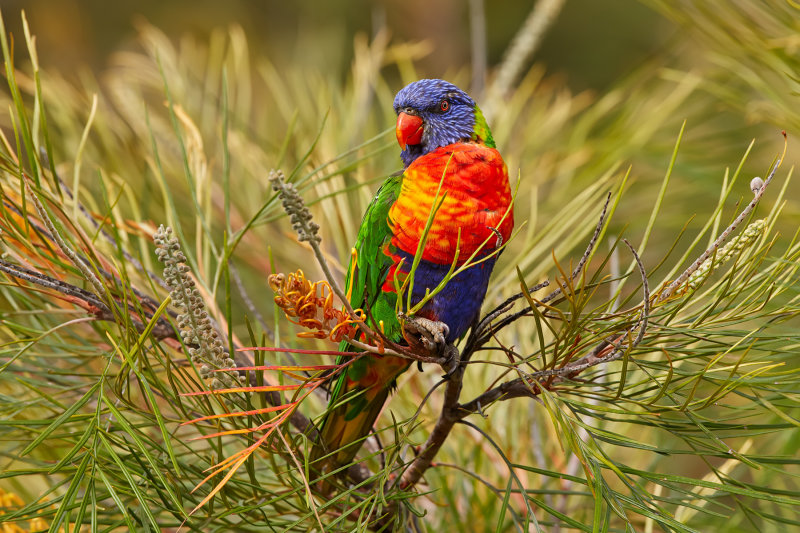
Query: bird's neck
x,y
481,132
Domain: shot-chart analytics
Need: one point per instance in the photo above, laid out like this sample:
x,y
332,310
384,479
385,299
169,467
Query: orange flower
x,y
310,305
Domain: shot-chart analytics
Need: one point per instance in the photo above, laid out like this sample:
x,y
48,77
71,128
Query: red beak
x,y
409,129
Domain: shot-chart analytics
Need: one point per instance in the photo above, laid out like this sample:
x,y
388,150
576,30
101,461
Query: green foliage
x,y
694,428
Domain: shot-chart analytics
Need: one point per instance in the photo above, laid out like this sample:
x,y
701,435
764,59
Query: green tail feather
x,y
356,400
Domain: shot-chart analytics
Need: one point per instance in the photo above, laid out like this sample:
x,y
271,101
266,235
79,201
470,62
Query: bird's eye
x,y
444,105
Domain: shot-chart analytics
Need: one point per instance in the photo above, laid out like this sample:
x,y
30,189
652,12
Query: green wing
x,y
366,278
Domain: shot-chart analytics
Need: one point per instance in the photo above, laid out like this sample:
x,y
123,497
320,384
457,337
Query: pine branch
x,y
528,386
483,332
86,299
758,187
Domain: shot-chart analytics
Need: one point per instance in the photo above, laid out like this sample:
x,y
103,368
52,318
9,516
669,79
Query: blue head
x,y
435,113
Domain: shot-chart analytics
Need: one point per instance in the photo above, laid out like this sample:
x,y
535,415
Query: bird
x,y
446,146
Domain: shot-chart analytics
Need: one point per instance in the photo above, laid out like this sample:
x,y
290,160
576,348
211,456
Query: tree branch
x,y
162,330
604,352
448,416
482,333
85,299
758,189
451,411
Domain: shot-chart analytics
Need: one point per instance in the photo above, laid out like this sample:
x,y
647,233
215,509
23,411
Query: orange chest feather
x,y
477,202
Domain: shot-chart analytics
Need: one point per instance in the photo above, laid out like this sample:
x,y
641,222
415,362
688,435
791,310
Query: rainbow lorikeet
x,y
442,132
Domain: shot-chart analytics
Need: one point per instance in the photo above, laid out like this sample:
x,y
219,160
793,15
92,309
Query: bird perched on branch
x,y
450,162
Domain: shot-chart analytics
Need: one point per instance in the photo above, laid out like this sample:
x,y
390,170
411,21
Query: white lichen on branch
x,y
295,207
727,252
194,324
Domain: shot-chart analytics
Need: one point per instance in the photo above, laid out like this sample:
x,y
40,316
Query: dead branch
x,y
605,351
483,332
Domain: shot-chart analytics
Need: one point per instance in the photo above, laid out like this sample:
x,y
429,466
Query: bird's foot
x,y
427,334
430,336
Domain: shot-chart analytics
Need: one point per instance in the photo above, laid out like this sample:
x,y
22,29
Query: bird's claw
x,y
430,334
498,236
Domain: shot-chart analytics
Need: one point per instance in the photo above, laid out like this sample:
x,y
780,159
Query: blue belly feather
x,y
459,303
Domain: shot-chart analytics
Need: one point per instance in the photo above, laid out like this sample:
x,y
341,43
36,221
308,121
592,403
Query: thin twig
x,y
61,243
51,283
91,303
480,336
666,293
143,298
505,306
604,352
592,359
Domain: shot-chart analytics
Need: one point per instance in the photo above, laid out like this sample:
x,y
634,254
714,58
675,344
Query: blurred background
x,y
591,43
724,67
307,87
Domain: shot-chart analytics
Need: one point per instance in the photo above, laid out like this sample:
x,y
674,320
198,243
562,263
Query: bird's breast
x,y
474,203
